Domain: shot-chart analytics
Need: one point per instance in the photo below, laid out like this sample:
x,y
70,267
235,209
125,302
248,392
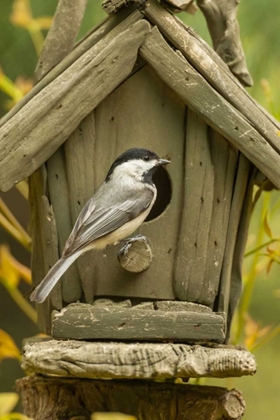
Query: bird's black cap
x,y
131,154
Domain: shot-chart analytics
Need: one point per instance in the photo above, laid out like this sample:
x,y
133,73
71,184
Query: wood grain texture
x,y
144,400
61,36
240,188
224,159
29,143
223,26
214,70
196,211
125,18
79,161
154,120
239,251
84,321
136,255
215,111
135,360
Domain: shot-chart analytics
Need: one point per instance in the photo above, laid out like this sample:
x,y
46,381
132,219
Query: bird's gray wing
x,y
95,222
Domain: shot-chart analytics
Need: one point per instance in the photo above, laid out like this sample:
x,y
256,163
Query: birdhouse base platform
x,y
150,361
147,321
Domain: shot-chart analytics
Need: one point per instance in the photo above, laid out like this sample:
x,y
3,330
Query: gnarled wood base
x,y
59,398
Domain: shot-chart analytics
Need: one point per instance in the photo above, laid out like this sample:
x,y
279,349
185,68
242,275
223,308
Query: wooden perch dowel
x,y
136,255
204,100
28,143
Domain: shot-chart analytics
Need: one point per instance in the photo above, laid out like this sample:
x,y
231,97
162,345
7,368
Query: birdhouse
x,y
142,79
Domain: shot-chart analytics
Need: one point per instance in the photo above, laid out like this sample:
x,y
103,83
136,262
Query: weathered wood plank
x,y
224,159
240,187
60,199
84,321
223,26
125,18
215,111
79,162
215,71
239,250
28,143
138,360
157,116
196,212
144,400
61,36
44,243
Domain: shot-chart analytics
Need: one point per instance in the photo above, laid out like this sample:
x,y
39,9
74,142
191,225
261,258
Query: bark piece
x,y
135,360
223,26
60,398
83,321
56,105
209,105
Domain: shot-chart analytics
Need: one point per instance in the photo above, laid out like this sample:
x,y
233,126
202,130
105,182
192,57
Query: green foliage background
x,y
260,31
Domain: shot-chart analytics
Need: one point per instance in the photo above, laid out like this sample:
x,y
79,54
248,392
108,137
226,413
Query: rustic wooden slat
x,y
239,250
240,187
157,116
141,399
44,243
223,26
96,34
196,211
210,105
211,66
60,199
79,162
27,144
61,36
224,159
84,321
138,360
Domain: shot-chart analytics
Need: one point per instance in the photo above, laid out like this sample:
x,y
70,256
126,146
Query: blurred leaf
x,y
112,416
8,400
11,270
8,348
253,331
267,227
44,22
8,87
21,14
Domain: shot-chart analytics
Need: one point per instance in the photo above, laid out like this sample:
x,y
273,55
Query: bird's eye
x,y
146,158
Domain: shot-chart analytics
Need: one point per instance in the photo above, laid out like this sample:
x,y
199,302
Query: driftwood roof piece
x,y
33,134
204,100
136,360
215,71
223,26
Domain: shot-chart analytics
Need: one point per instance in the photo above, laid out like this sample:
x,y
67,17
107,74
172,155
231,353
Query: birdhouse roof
x,y
35,128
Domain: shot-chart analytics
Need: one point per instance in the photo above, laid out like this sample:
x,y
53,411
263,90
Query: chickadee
x,y
117,209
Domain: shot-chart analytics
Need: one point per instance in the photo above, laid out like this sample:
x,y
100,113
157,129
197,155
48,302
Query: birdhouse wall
x,y
193,240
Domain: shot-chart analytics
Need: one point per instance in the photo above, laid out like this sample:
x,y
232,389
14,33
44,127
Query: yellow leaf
x,y
8,400
44,22
21,14
11,270
8,348
266,227
112,416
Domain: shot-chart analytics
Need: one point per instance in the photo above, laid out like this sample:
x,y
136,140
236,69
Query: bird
x,y
115,211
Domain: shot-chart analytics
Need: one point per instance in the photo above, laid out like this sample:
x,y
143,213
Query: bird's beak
x,y
162,162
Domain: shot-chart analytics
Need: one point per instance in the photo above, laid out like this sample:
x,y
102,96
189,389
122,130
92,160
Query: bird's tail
x,y
47,284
